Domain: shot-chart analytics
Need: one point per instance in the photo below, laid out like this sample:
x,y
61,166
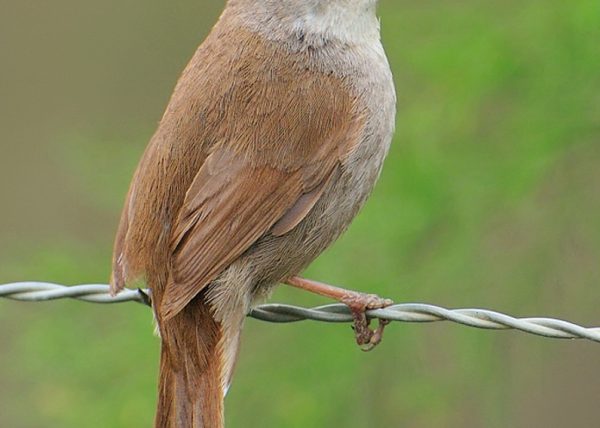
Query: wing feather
x,y
220,224
247,147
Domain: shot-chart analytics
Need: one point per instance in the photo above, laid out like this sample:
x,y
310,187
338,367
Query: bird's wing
x,y
265,179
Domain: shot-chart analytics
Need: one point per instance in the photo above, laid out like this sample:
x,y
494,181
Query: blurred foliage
x,y
490,197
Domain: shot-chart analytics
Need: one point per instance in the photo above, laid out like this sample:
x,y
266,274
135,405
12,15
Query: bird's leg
x,y
358,303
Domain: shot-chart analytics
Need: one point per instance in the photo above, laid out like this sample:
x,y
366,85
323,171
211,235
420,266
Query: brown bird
x,y
271,143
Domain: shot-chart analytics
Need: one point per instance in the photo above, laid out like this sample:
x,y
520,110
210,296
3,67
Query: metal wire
x,y
280,313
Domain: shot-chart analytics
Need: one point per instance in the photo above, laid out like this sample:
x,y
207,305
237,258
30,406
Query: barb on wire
x,y
280,313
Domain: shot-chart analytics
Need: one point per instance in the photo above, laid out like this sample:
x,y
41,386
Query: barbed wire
x,y
281,313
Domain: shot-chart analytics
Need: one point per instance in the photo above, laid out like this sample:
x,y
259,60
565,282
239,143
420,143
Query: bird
x,y
272,140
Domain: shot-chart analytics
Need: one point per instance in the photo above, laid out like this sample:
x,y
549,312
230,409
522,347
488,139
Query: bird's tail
x,y
190,393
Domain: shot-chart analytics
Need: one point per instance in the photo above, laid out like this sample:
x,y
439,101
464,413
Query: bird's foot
x,y
359,304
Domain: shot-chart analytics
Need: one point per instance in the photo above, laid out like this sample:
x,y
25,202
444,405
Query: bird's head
x,y
348,21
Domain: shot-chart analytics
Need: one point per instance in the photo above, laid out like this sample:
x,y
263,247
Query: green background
x,y
489,198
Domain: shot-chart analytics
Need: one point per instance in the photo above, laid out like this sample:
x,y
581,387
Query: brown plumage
x,y
256,167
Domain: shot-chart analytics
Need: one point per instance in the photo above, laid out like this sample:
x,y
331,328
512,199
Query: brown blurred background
x,y
490,198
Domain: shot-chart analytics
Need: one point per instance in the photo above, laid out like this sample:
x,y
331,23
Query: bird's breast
x,y
368,77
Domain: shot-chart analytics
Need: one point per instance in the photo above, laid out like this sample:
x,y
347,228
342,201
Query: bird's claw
x,y
359,303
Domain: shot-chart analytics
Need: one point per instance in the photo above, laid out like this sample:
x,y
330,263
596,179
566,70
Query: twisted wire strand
x,y
281,313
